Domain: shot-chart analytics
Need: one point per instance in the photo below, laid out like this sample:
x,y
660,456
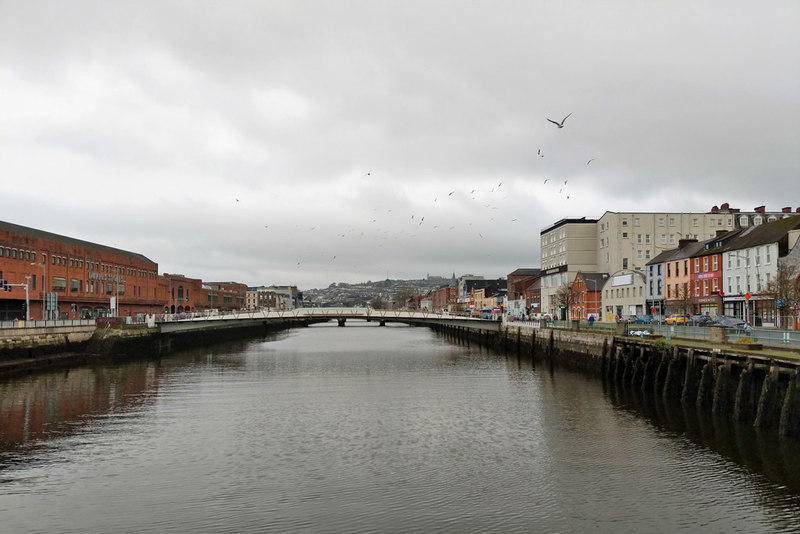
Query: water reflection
x,y
778,459
369,429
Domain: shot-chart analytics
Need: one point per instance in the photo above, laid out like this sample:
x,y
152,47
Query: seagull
x,y
539,152
565,182
591,160
369,172
545,180
501,183
450,193
560,124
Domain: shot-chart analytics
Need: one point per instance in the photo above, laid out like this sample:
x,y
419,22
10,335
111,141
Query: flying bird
x,y
591,160
546,179
450,193
560,124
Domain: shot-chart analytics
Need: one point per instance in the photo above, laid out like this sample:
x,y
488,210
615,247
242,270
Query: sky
x,y
316,142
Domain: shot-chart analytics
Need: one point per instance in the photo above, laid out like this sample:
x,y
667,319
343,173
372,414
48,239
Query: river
x,y
373,429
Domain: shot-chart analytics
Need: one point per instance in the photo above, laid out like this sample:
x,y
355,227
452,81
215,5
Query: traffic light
x,y
720,293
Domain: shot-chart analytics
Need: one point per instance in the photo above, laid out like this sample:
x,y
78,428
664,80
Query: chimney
x,y
720,233
787,209
725,206
761,209
683,242
714,209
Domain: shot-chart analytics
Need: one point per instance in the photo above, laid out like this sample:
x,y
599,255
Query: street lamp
x,y
44,286
27,299
747,284
594,301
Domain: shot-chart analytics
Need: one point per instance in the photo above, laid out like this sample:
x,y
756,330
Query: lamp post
x,y
44,286
747,285
27,299
594,300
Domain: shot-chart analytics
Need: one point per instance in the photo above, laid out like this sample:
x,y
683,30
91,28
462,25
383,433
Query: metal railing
x,y
771,337
47,323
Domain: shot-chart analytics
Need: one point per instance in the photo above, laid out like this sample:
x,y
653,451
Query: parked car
x,y
730,322
700,319
643,319
676,318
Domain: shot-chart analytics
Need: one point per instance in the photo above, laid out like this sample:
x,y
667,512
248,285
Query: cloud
x,y
142,123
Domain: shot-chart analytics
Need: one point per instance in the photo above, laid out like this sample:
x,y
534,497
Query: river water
x,y
370,429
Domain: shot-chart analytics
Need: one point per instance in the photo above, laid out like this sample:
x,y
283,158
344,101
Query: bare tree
x,y
566,295
403,295
784,287
378,303
682,301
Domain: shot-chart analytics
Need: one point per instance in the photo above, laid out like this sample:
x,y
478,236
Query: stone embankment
x,y
754,389
23,350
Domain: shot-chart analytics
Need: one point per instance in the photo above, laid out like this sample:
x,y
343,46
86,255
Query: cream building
x,y
619,244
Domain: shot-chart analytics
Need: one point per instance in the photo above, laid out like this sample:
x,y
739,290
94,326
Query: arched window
x,y
180,292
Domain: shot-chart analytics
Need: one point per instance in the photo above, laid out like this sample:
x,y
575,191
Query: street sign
x,y
780,303
748,296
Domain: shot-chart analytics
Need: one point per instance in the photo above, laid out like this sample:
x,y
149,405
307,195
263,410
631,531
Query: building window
x,y
672,221
738,284
671,239
624,222
710,222
695,222
697,265
73,284
59,283
696,288
647,254
636,221
639,254
639,238
109,288
716,285
714,263
705,287
647,238
705,264
661,221
767,254
624,263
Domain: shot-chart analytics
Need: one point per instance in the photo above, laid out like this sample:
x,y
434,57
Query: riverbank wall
x,y
112,339
752,389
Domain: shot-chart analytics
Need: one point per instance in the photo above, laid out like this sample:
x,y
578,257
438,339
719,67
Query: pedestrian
x,y
591,320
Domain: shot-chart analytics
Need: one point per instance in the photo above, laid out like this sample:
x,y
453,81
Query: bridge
x,y
306,316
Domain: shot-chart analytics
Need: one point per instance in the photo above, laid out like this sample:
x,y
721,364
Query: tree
x,y
784,287
682,301
378,303
565,296
402,295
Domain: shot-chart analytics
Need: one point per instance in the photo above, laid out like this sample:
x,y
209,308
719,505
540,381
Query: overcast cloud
x,y
303,142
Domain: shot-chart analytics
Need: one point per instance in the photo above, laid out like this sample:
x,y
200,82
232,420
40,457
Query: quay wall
x,y
756,390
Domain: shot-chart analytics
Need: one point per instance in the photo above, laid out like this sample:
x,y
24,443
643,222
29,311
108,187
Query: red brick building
x,y
81,279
